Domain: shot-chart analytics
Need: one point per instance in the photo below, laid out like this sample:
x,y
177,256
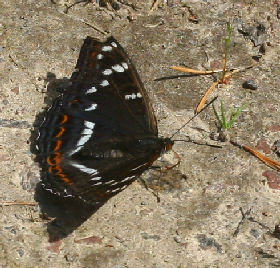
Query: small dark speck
x,y
5,102
206,243
276,232
11,229
255,233
278,11
276,147
116,6
262,49
147,236
257,57
20,252
250,84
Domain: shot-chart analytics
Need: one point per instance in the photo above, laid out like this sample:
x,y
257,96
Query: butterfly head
x,y
168,143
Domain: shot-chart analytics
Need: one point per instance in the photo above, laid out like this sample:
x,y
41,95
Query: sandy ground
x,y
219,208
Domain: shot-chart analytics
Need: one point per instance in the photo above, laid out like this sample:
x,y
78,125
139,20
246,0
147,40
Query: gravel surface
x,y
219,208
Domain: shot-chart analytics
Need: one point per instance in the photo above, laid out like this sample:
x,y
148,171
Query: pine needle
x,y
268,161
205,97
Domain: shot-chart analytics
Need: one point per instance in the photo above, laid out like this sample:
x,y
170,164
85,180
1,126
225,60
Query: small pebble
x,y
178,239
250,84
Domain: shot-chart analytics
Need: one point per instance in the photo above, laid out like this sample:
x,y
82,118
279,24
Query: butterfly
x,y
101,133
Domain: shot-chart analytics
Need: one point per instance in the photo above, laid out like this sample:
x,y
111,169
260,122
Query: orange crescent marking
x,y
60,133
65,119
57,158
92,57
58,169
75,100
49,161
50,169
58,145
93,54
62,175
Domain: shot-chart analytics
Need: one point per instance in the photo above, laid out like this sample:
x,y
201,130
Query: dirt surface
x,y
219,208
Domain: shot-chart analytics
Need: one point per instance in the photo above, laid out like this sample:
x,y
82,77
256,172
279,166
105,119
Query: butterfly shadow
x,y
64,215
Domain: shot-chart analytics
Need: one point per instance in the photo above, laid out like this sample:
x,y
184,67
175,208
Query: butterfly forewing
x,y
101,133
106,69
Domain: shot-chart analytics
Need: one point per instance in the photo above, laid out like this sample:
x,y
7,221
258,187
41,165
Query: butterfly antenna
x,y
194,116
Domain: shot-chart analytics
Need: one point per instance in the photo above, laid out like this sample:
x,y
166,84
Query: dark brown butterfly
x,y
101,133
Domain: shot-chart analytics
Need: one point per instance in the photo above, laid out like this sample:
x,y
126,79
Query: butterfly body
x,y
101,133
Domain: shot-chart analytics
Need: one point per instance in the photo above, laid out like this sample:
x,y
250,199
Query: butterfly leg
x,y
147,188
176,164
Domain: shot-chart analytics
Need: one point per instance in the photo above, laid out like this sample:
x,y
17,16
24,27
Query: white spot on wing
x,y
96,179
118,68
138,167
109,182
89,124
85,169
124,65
128,178
115,190
100,56
85,136
87,131
107,72
98,183
104,83
114,44
133,96
107,48
91,107
91,90
80,143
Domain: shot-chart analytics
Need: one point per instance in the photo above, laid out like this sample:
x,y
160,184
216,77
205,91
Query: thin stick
x,y
18,203
154,7
195,115
95,27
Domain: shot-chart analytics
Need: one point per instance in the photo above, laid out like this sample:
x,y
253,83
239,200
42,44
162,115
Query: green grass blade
x,y
216,115
223,115
234,116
